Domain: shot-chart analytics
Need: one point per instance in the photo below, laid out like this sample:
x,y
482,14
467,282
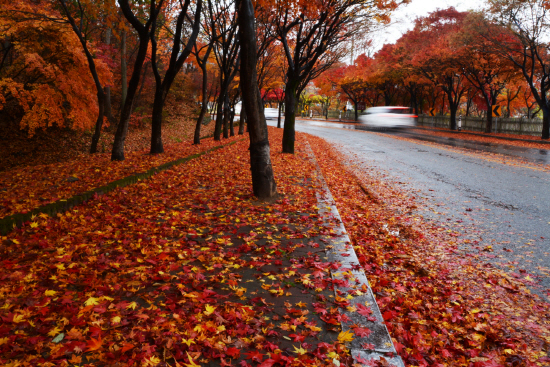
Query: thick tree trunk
x,y
453,107
156,123
263,181
356,112
289,134
545,123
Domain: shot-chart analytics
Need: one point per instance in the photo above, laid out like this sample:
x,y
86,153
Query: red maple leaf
x,y
254,355
363,310
233,352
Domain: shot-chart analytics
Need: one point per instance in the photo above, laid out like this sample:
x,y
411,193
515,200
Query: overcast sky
x,y
403,18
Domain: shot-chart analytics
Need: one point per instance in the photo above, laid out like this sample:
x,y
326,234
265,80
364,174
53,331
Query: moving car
x,y
271,113
388,117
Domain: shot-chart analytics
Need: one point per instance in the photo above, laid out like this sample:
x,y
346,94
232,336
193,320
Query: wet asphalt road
x,y
506,206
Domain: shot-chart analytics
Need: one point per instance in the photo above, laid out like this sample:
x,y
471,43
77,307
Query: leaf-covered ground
x,y
27,187
442,308
185,268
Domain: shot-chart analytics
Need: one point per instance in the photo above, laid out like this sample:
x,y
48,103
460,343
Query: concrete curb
x,y
340,250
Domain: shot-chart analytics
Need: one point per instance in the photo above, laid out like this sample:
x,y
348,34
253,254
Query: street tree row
x,y
63,62
451,60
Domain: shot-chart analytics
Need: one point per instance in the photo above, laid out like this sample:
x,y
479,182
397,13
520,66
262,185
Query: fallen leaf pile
x,y
182,269
26,188
442,308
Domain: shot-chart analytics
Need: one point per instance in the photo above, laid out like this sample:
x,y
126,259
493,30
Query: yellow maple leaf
x,y
115,320
301,304
345,336
4,341
132,305
191,363
49,293
300,350
54,331
188,341
92,301
152,361
209,309
34,225
18,318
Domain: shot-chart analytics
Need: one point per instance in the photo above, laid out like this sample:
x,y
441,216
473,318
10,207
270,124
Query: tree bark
x,y
242,120
279,115
226,121
545,122
123,70
219,118
117,153
98,123
204,105
177,59
263,181
289,134
91,65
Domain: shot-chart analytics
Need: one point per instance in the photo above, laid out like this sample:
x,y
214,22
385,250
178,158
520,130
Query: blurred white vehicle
x,y
271,113
388,116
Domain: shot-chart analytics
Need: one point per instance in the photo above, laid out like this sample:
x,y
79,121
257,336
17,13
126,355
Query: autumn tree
x,y
263,181
143,30
517,31
437,57
47,71
223,27
312,35
184,11
202,54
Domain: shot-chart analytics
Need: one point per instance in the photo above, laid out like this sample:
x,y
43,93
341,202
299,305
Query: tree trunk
x,y
545,123
242,120
453,107
232,122
289,133
279,115
263,181
356,112
117,153
204,105
156,122
226,121
99,122
123,70
108,106
219,117
489,126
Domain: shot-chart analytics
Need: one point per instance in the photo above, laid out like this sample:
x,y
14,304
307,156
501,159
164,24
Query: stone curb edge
x,y
341,250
